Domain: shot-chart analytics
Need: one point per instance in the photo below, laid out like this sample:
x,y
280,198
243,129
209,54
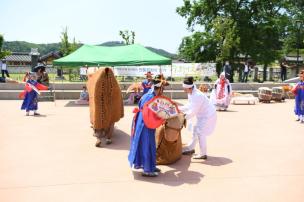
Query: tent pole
x,y
62,83
171,83
54,90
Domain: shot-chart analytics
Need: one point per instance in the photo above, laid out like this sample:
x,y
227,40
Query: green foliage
x,y
22,46
1,41
229,28
127,36
65,46
3,51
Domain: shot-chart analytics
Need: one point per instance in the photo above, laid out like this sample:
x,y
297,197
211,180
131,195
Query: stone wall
x,y
23,69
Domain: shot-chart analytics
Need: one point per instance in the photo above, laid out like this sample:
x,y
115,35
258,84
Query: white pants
x,y
202,128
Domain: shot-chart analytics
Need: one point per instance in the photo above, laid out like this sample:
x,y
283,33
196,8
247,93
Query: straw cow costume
x,y
169,141
106,104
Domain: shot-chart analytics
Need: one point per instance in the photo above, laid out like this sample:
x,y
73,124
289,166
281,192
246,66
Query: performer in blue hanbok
x,y
298,90
30,94
147,83
143,147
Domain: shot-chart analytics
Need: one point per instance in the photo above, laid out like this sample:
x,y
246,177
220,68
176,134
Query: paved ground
x,y
256,154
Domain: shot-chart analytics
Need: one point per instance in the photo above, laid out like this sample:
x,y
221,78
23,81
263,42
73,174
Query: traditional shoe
x,y
298,119
157,170
27,114
98,143
198,156
149,174
138,167
36,114
108,141
189,152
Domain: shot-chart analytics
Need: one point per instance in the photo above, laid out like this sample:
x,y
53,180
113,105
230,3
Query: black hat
x,y
159,80
189,80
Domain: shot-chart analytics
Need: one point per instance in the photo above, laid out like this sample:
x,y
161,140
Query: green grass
x,y
72,78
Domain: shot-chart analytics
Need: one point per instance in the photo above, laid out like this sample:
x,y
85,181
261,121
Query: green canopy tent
x,y
130,55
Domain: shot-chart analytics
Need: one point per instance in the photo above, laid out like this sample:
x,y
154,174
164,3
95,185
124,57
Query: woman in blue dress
x,y
143,147
298,90
30,94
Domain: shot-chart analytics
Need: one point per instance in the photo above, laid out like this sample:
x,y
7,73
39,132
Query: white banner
x,y
178,70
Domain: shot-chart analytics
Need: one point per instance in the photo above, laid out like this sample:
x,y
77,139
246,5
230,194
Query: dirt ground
x,y
255,154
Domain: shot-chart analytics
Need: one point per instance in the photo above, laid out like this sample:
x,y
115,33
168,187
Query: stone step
x,y
74,94
124,86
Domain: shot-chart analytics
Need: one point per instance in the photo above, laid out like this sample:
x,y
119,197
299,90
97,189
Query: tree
x,y
252,28
127,36
65,46
3,53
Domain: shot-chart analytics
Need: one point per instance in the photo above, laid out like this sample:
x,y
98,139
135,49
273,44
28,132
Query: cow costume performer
x,y
105,102
169,141
201,113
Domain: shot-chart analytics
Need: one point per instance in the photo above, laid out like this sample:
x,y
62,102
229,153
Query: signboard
x,y
178,70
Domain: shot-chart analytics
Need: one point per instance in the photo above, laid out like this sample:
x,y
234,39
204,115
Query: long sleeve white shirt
x,y
198,106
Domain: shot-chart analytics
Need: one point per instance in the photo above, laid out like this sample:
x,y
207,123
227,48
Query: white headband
x,y
187,85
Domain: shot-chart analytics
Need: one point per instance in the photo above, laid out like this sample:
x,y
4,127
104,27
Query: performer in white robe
x,y
200,111
221,95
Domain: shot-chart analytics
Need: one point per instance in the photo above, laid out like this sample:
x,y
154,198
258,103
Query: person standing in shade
x,y
83,73
4,69
228,71
200,111
283,71
246,72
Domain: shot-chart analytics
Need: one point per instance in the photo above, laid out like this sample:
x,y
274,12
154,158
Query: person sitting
x,y
84,97
7,80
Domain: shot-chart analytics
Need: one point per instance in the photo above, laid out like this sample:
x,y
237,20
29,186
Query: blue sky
x,y
155,22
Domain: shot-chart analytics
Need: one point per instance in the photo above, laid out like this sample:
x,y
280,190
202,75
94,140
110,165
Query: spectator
x,y
4,69
84,96
283,70
246,72
227,69
83,73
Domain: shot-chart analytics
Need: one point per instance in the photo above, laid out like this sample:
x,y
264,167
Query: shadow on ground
x,y
178,175
120,141
72,104
228,110
215,161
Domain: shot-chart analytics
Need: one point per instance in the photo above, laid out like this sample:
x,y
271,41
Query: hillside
x,y
23,46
